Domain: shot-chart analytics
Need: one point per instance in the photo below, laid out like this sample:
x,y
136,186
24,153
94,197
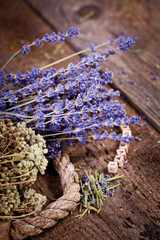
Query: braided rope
x,y
55,211
59,209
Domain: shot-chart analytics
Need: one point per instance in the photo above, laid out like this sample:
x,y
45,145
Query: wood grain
x,y
98,20
134,211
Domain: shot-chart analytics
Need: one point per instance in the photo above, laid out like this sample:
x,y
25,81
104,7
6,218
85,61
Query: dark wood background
x,y
134,211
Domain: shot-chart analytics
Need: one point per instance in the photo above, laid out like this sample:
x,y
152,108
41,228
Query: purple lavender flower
x,y
104,135
9,77
46,37
40,125
126,42
133,82
25,49
72,31
37,42
2,78
53,37
134,119
92,47
61,36
117,122
60,89
2,105
113,136
111,52
155,78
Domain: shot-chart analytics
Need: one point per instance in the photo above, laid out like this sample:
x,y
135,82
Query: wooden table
x,y
134,211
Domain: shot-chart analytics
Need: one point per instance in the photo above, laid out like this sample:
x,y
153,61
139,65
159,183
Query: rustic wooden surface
x,y
100,19
134,211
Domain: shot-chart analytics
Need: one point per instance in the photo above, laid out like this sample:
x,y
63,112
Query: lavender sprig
x,y
94,189
53,38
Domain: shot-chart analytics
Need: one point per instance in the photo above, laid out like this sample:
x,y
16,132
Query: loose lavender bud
x,y
133,82
155,78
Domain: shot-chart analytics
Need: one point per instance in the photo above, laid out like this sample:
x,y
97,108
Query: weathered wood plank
x,y
134,211
98,20
5,230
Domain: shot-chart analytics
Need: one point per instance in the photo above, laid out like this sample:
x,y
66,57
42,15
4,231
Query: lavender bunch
x,y
94,189
63,105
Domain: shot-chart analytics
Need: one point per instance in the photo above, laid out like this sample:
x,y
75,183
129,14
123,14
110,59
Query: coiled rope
x,y
55,211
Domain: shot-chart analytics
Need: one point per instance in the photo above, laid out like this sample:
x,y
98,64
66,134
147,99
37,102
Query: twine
x,y
32,226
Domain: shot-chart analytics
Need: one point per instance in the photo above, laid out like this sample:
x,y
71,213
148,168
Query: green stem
x,y
115,177
81,215
11,59
62,139
114,186
14,55
21,105
11,155
23,175
17,183
16,217
74,131
72,55
15,114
